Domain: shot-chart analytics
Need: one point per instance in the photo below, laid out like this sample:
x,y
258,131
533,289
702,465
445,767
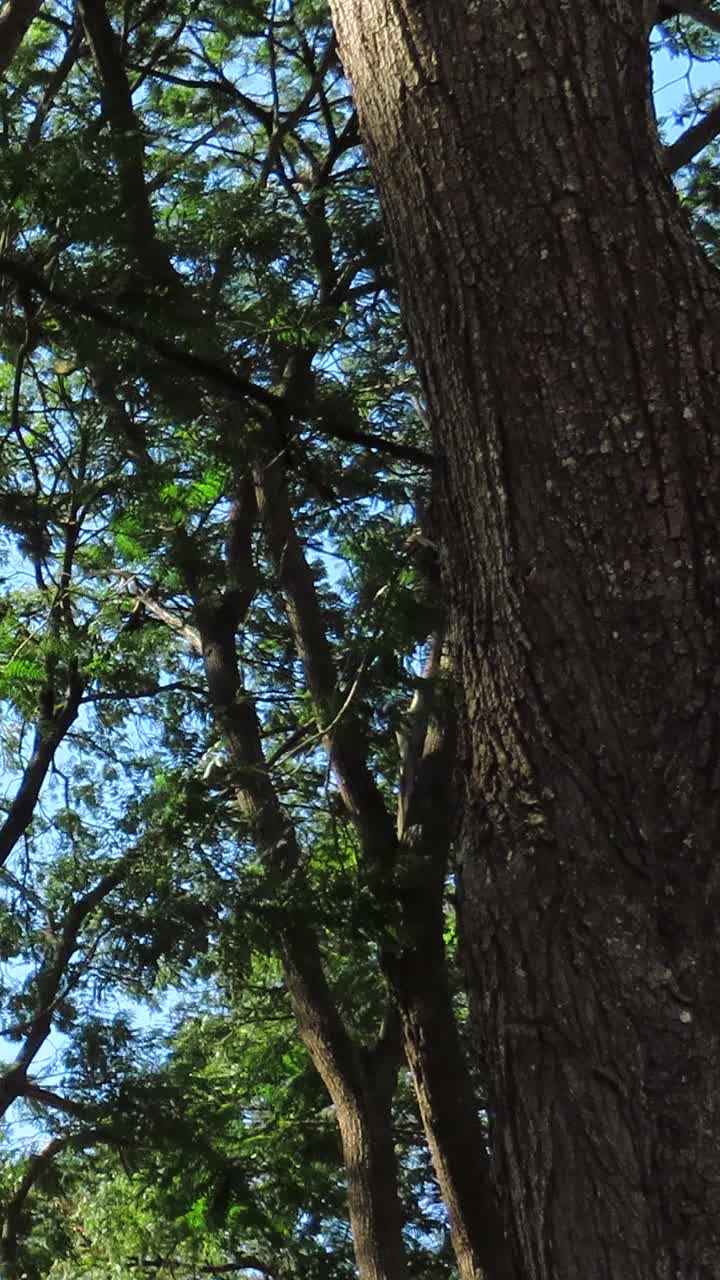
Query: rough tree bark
x,y
566,331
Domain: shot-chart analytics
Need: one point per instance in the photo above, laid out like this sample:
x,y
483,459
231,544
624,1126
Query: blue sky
x,y
674,79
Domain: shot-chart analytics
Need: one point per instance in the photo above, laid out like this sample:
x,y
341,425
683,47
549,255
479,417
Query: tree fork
x,y
565,328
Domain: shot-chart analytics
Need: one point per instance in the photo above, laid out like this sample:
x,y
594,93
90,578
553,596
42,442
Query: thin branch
x,y
189,634
325,732
248,1263
152,691
230,383
164,46
162,175
412,738
311,64
284,127
53,87
272,62
221,85
360,793
48,982
48,1098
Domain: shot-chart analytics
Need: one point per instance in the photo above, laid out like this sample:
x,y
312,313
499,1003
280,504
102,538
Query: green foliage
x,y
193,1129
119,473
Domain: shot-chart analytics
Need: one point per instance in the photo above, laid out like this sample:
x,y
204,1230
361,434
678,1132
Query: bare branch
x,y
170,619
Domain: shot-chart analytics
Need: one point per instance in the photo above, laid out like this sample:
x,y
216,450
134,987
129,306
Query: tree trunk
x,y
361,1085
375,1211
409,867
362,1094
416,974
565,327
16,18
449,1112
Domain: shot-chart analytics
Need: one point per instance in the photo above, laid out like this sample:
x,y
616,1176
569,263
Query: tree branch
x,y
53,87
282,128
36,1167
189,634
412,739
48,1098
47,740
360,794
319,1022
49,979
689,9
248,1263
231,383
221,85
226,380
692,141
370,440
116,98
150,691
15,19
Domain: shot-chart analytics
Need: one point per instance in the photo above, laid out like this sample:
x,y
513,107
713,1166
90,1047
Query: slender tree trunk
x,y
449,1112
409,867
566,330
366,1133
361,1092
361,1085
416,974
363,799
